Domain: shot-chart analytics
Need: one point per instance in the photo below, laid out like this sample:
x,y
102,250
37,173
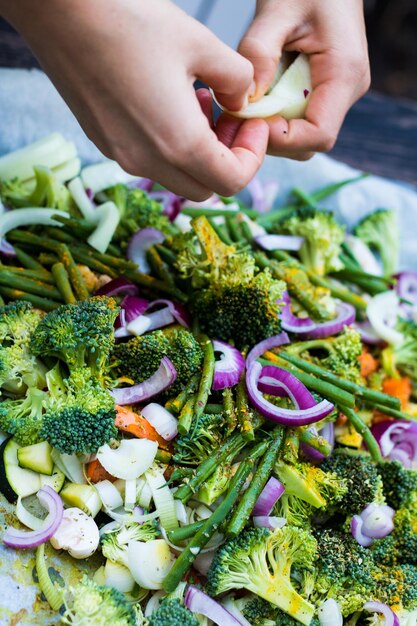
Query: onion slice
x,y
329,613
130,460
169,200
264,346
356,525
229,368
199,602
49,499
291,322
379,607
269,521
163,378
378,520
280,242
178,312
116,287
162,420
382,312
294,389
397,441
140,243
268,497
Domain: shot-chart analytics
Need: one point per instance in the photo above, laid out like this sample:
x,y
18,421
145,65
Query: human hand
x,y
127,69
333,35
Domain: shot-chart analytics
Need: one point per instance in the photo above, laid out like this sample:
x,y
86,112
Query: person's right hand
x,y
127,69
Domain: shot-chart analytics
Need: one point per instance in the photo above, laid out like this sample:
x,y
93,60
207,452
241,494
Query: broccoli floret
x,y
23,418
89,603
140,357
80,413
296,511
320,489
261,561
379,230
345,571
171,612
364,484
137,210
402,357
18,367
405,535
399,484
232,300
397,585
323,237
204,437
114,542
79,334
48,192
338,354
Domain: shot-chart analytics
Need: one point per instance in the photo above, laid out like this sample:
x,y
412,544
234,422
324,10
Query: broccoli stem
x,y
60,275
220,231
186,415
207,374
229,409
40,303
258,482
315,441
185,532
35,286
358,390
363,430
291,446
175,405
28,261
225,452
244,413
325,389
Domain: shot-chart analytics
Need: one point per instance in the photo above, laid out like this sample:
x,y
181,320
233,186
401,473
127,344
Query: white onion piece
x,y
329,613
109,495
204,560
130,494
382,312
363,255
81,199
162,420
118,576
130,460
27,518
181,512
78,534
104,175
163,500
149,562
268,521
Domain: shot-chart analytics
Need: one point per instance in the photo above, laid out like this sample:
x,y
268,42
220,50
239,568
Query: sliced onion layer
x,y
406,288
229,368
163,378
149,562
308,329
51,501
367,333
140,243
150,321
280,242
327,432
398,441
262,194
199,602
268,497
356,525
264,346
378,520
382,312
169,200
330,614
130,460
118,286
269,521
161,419
291,322
178,311
379,607
293,388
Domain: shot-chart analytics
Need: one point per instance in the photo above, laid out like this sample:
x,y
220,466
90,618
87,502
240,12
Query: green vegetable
x,y
114,542
23,418
379,230
402,357
203,439
48,192
171,612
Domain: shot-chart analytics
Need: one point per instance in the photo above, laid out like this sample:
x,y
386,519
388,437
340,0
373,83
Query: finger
x,y
206,103
228,73
227,128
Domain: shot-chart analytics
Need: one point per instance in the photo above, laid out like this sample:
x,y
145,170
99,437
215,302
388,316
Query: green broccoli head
x,y
48,192
345,571
205,436
171,612
18,367
323,237
89,603
23,418
137,210
79,414
296,511
79,334
140,357
402,357
397,586
399,484
114,543
337,354
379,230
261,562
360,474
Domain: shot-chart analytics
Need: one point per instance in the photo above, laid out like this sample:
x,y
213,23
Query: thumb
x,y
228,73
262,45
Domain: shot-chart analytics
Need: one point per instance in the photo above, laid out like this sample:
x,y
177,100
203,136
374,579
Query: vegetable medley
x,y
217,398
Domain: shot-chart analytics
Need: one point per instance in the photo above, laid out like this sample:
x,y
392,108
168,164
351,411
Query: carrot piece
x,y
341,420
130,422
96,472
368,363
398,388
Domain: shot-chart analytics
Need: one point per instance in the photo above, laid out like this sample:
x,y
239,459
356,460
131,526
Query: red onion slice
x,y
163,378
150,321
397,440
356,530
178,311
262,194
268,521
49,499
169,200
291,322
229,368
280,242
6,249
345,317
378,520
327,432
268,497
199,602
295,390
139,243
367,333
116,287
133,306
379,607
267,344
406,288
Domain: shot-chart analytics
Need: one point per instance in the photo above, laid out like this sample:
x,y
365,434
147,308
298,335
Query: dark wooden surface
x,y
379,134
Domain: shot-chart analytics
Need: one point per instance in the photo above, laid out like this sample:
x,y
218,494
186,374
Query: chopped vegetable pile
x,y
217,399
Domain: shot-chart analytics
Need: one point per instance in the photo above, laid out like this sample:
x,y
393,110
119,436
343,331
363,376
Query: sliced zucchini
x,y
37,458
55,481
14,480
85,497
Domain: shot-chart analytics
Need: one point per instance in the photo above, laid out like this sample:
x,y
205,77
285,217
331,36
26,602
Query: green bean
x,y
34,286
207,374
28,261
47,258
184,532
221,232
258,482
166,254
176,404
243,411
60,275
210,212
400,415
186,415
94,264
159,266
365,432
41,275
229,409
317,442
358,390
233,228
40,303
306,198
